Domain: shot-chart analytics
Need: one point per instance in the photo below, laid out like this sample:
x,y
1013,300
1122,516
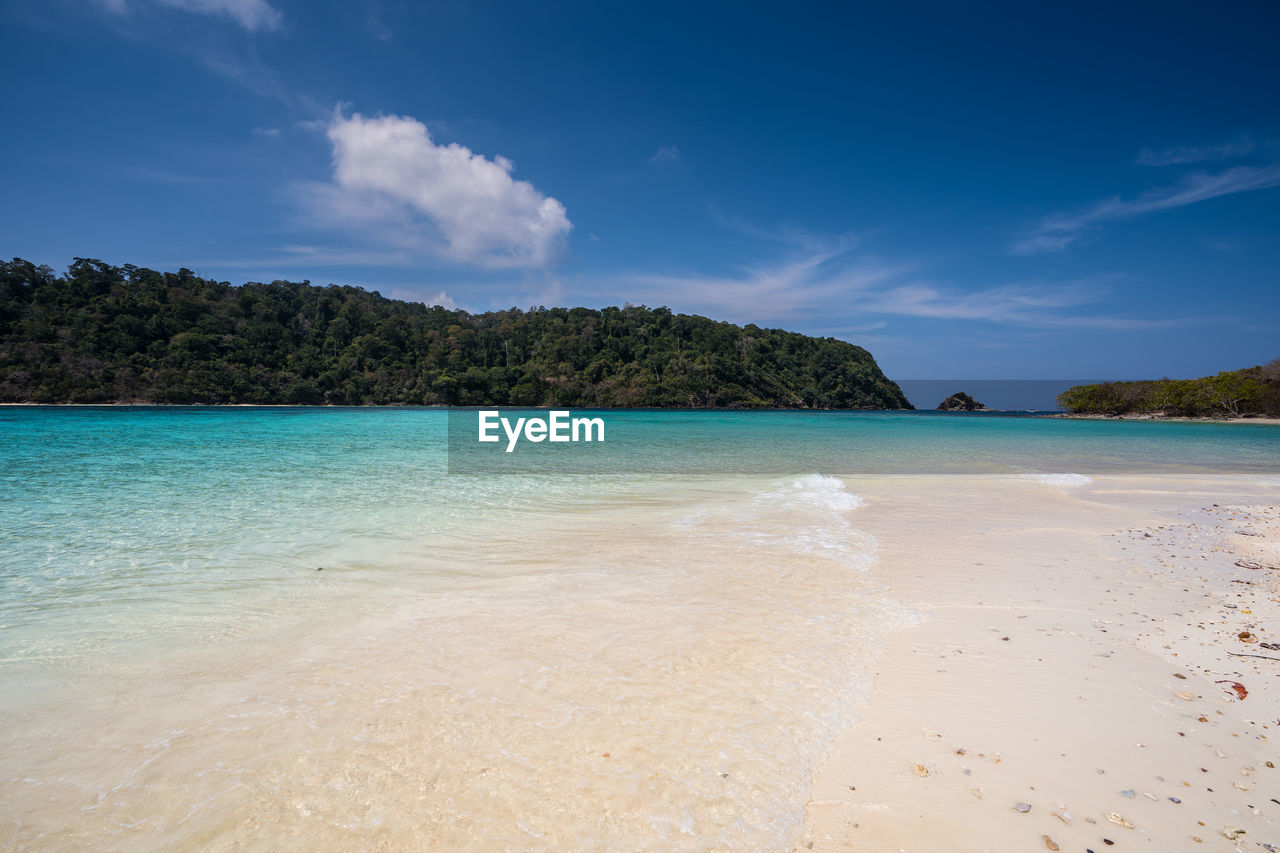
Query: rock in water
x,y
961,402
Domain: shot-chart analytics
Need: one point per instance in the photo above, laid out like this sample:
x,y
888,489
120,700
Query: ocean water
x,y
1005,394
292,628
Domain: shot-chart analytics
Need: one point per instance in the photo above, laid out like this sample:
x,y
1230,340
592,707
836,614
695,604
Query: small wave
x,y
820,491
804,515
1065,481
807,516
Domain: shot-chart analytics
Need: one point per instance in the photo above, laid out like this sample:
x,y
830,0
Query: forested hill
x,y
1252,391
127,334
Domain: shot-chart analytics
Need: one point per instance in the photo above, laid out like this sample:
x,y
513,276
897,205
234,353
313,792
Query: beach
x,y
1071,687
295,628
1147,416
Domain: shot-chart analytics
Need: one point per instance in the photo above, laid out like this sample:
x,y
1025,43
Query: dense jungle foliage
x,y
104,334
1232,393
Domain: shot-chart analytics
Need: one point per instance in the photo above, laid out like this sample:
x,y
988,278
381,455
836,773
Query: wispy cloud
x,y
394,183
377,28
666,154
293,259
237,60
248,70
800,283
803,287
1058,232
796,239
664,158
1038,305
1183,154
253,15
822,278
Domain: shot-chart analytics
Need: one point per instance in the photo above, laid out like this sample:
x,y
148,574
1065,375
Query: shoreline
x,y
1029,413
1061,692
445,407
1245,419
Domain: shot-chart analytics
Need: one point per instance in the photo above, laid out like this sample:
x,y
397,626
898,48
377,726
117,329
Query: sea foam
x,y
1064,481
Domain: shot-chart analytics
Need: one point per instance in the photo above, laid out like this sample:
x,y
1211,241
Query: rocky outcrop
x,y
961,402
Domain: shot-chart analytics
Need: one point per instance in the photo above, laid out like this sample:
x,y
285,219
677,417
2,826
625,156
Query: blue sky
x,y
967,190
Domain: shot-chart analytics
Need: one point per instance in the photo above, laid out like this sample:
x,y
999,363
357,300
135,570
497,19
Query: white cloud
x,y
1058,232
442,299
389,175
1184,154
666,154
253,15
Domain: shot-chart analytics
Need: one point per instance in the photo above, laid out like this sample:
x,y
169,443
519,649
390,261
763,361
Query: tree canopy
x,y
1231,393
102,333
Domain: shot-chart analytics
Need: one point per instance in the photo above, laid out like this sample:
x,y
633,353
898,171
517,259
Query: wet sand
x,y
1072,686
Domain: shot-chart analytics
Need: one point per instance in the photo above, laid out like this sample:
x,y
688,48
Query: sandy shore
x,y
1071,687
1151,417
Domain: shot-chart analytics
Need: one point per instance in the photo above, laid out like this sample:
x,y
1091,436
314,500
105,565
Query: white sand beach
x,y
1073,686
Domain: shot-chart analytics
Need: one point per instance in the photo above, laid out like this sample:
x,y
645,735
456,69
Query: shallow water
x,y
291,628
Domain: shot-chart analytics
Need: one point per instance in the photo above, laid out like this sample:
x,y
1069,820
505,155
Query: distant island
x,y
107,334
961,402
1251,392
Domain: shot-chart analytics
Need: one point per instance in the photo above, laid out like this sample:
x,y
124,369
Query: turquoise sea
x,y
313,628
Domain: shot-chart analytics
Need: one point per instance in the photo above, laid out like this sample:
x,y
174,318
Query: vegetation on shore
x,y
1253,391
103,334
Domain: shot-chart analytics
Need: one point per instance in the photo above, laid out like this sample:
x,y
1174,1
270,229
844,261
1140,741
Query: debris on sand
x,y
1236,686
